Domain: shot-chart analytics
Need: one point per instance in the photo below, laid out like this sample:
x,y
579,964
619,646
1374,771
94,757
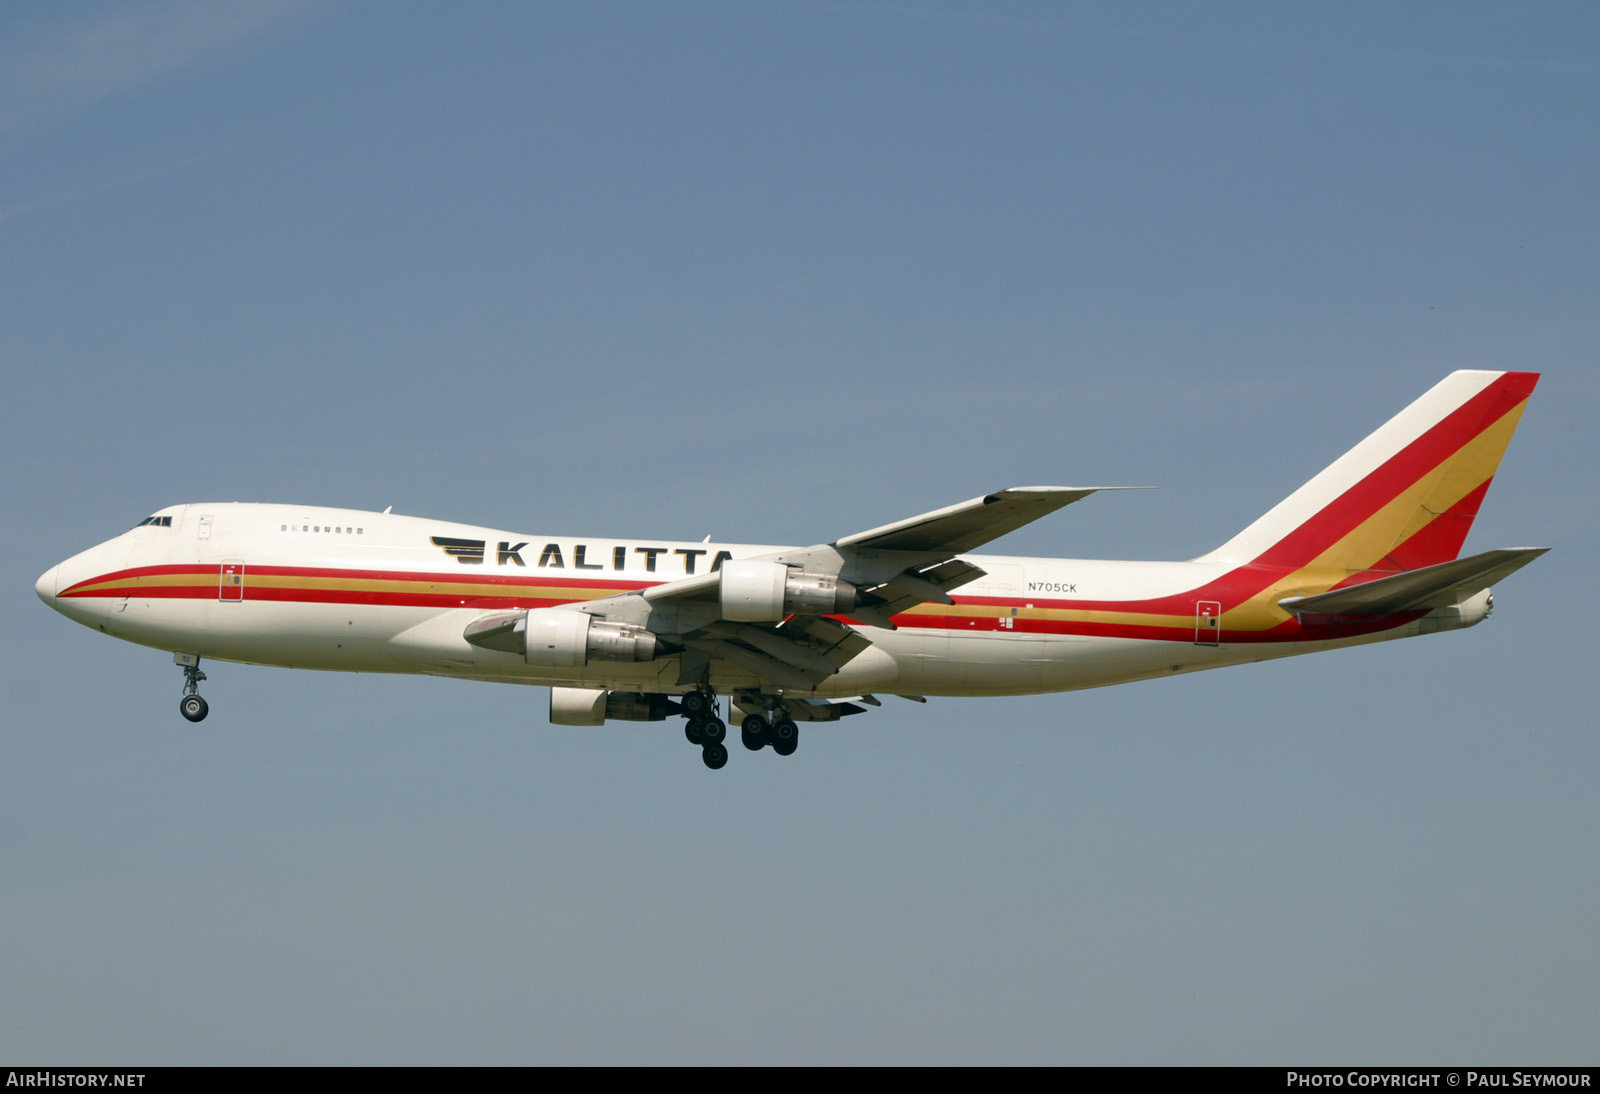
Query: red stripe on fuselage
x,y
1290,630
537,579
447,597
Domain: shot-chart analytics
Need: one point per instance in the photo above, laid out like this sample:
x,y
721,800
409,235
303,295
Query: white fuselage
x,y
357,591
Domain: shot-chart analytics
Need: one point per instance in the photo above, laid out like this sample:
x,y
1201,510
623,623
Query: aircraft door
x,y
1207,623
230,587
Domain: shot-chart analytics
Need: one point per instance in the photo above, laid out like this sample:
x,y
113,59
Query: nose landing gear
x,y
191,706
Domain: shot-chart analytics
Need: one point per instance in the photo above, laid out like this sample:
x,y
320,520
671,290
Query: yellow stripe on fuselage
x,y
211,577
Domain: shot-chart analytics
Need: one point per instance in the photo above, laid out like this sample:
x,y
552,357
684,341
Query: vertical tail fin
x,y
1404,497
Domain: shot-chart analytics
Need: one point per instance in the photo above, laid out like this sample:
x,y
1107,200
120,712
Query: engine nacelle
x,y
560,638
754,591
592,707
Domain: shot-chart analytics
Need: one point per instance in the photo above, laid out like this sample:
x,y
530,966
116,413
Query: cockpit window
x,y
155,522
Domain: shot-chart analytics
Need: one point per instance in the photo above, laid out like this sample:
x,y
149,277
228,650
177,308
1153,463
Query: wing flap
x,y
778,646
834,641
757,663
799,653
910,589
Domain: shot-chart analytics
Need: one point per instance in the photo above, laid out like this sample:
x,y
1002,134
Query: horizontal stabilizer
x,y
1430,587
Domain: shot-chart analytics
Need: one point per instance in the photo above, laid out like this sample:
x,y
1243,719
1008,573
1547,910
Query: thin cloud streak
x,y
82,193
120,51
1191,37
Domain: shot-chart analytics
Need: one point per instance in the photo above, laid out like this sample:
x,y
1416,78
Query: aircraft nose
x,y
47,584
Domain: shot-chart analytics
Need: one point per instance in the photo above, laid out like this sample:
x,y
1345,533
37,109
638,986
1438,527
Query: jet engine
x,y
753,591
592,707
562,638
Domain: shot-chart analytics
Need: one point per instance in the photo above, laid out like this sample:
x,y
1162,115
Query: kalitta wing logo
x,y
469,552
473,552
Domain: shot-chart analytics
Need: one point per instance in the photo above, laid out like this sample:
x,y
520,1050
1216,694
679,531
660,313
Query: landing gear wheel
x,y
695,730
191,706
713,730
785,737
714,756
695,704
753,731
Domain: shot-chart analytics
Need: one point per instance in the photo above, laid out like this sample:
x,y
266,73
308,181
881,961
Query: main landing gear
x,y
704,728
772,726
781,733
756,732
191,706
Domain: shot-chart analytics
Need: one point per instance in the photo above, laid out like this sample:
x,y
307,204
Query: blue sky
x,y
776,272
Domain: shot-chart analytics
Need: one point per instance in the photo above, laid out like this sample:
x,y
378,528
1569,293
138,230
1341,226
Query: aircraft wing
x,y
968,524
905,563
877,573
1435,586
